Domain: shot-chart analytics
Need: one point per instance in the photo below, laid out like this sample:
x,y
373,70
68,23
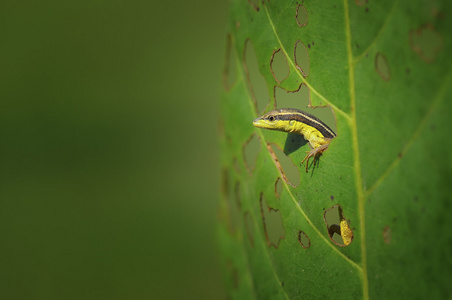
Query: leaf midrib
x,y
356,160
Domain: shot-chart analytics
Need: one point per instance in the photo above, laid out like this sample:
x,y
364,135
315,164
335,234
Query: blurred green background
x,y
109,171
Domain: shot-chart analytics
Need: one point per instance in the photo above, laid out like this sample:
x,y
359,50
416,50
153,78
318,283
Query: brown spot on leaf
x,y
361,2
233,273
387,235
382,66
254,4
426,42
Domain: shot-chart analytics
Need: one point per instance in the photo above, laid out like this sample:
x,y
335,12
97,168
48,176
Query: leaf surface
x,y
383,71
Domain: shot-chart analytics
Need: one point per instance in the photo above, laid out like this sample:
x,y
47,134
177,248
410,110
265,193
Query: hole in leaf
x,y
278,65
338,228
301,15
289,172
382,66
273,226
236,165
278,187
233,200
256,81
234,274
229,69
426,42
293,142
298,99
235,207
301,58
238,199
249,225
225,182
250,152
304,240
387,234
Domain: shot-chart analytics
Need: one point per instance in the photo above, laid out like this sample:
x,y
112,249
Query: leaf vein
x,y
377,37
437,100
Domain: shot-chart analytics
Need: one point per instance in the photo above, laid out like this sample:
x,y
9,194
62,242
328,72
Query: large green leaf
x,y
384,70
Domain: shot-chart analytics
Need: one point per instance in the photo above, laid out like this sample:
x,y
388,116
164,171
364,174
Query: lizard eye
x,y
271,118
